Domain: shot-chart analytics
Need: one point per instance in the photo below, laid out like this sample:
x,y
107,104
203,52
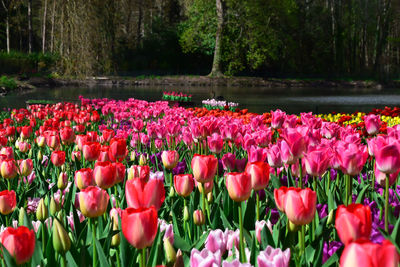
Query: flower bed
x,y
128,183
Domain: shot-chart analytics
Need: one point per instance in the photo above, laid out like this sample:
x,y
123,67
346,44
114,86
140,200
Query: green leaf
x,y
396,232
310,252
101,257
10,262
331,201
254,253
200,242
70,260
360,197
181,243
155,250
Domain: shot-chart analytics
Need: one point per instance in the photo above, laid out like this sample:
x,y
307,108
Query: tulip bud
x,y
210,197
330,218
185,213
132,156
171,191
54,206
62,181
170,254
198,217
30,153
61,240
115,240
42,212
40,155
293,227
63,168
179,259
142,160
21,216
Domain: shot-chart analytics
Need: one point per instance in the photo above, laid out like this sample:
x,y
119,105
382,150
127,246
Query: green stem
x,y
63,261
373,177
93,224
143,258
387,204
7,223
242,255
43,237
9,184
118,259
301,175
203,198
302,239
257,206
329,180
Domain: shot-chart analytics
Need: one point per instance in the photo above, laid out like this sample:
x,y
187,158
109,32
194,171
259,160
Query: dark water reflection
x,y
291,100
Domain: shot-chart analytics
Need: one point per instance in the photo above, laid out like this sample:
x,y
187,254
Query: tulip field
x,y
135,183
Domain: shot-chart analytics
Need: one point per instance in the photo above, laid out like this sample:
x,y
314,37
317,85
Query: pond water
x,y
291,100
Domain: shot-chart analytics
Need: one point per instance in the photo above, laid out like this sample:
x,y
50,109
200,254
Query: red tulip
x,y
259,173
67,135
7,151
103,156
141,194
139,172
139,226
121,170
117,149
84,178
107,135
204,167
91,151
76,155
8,201
299,205
184,184
8,168
91,136
26,132
58,158
353,222
20,243
105,174
295,140
363,252
238,185
215,143
80,140
93,201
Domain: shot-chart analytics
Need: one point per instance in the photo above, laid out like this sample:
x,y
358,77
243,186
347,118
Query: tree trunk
x,y
8,33
216,66
139,25
44,26
53,15
30,34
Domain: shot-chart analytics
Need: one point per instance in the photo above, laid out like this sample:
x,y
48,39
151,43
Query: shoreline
x,y
198,81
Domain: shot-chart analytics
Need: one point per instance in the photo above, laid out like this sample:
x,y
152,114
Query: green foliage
x,y
17,62
197,33
7,82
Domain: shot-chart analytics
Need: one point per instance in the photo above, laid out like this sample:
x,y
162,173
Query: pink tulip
x,y
317,161
277,118
235,263
296,141
388,158
216,241
274,156
205,258
352,158
271,257
228,161
372,124
215,143
380,177
260,226
257,154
